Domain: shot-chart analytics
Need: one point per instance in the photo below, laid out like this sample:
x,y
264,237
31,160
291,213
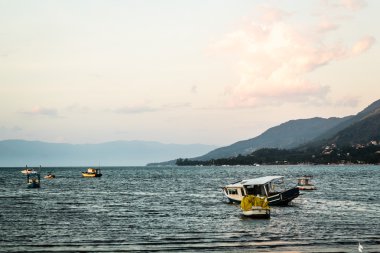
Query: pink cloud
x,y
363,45
326,26
352,5
276,56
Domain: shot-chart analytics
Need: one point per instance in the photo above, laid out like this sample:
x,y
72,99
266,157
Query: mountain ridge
x,y
289,134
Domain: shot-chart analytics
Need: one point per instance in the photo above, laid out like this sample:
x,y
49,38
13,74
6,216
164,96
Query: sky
x,y
201,71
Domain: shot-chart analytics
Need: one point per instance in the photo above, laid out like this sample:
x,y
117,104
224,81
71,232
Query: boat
x,y
27,171
33,180
49,176
92,173
255,207
272,187
304,183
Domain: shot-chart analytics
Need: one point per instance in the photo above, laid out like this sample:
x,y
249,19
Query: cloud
x,y
76,108
42,111
351,5
347,101
363,45
275,57
146,108
194,89
10,129
326,26
136,109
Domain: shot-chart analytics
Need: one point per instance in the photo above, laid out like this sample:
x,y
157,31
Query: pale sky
x,y
197,71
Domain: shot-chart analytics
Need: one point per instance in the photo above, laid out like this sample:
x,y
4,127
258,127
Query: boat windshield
x,y
261,190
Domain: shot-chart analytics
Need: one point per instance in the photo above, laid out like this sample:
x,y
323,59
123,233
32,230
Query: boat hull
x,y
33,185
91,175
27,172
279,199
257,213
307,187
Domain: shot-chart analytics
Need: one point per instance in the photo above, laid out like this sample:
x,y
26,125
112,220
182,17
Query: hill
x,y
361,132
123,153
328,136
288,135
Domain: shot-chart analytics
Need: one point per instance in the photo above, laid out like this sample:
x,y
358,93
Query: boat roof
x,y
255,181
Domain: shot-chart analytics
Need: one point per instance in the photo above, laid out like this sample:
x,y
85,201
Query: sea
x,y
182,209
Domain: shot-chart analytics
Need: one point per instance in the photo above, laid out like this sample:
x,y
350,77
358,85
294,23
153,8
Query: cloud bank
x,y
145,107
41,111
275,55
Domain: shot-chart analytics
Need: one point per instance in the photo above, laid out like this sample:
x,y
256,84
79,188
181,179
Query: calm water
x,y
148,209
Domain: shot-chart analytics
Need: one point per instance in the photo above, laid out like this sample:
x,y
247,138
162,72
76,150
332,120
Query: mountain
x,y
328,136
288,135
359,132
122,153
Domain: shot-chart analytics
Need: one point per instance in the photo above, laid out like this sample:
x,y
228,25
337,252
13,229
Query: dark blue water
x,y
147,209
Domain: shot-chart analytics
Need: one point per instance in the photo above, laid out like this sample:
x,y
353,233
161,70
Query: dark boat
x,y
272,187
33,180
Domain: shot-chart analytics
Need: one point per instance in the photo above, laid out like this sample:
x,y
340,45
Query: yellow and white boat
x,y
255,207
92,173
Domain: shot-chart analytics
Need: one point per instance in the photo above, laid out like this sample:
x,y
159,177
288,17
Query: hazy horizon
x,y
184,72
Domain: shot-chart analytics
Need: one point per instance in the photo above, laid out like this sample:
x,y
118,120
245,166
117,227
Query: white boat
x,y
28,171
304,183
272,187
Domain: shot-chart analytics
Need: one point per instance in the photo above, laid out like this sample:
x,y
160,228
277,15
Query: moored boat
x,y
304,183
49,176
27,171
255,207
92,173
33,180
272,187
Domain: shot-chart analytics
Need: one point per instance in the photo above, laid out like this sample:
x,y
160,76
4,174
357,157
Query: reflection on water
x,y
182,209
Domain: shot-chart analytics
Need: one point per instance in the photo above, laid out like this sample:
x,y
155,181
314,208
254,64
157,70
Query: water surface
x,y
147,209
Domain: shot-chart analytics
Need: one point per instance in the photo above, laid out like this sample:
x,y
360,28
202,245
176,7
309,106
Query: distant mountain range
x,y
122,153
308,133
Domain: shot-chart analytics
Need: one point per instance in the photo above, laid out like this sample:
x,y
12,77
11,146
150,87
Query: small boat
x,y
27,171
255,207
304,183
33,180
49,176
272,187
92,173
